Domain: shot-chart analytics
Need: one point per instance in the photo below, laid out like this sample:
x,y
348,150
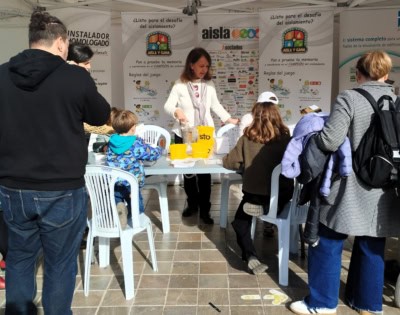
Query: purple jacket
x,y
308,125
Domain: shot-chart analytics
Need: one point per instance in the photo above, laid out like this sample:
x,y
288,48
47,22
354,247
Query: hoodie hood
x,y
29,68
120,144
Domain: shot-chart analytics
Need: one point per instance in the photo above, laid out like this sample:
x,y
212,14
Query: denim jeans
x,y
364,286
49,223
122,193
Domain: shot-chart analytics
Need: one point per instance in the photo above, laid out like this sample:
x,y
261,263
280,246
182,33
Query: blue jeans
x,y
49,223
364,286
122,193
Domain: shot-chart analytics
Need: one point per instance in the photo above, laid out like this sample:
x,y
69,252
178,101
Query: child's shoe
x,y
255,266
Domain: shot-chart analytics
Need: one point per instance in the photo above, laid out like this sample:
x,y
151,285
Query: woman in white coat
x,y
190,102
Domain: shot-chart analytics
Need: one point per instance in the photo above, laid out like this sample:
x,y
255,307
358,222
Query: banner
x,y
232,41
155,46
358,35
91,28
296,49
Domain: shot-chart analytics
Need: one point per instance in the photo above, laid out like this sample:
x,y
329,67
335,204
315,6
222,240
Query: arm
x,y
145,152
96,109
234,159
337,126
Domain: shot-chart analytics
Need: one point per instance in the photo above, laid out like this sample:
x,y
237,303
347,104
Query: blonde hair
x,y
267,123
123,121
374,64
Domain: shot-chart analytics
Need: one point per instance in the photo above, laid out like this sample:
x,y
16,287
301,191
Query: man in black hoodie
x,y
44,102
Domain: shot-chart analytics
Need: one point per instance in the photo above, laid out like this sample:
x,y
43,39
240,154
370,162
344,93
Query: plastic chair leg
x,y
104,252
223,215
283,256
164,208
127,264
88,263
152,247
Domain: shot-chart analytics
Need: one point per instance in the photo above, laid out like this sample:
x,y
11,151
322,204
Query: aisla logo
x,y
229,33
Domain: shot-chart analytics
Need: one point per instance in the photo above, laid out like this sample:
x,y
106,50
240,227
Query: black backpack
x,y
376,161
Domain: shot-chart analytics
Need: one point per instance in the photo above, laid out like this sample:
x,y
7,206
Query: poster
x,y
296,48
232,41
155,46
91,28
358,35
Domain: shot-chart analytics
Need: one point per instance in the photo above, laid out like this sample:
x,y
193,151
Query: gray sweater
x,y
353,208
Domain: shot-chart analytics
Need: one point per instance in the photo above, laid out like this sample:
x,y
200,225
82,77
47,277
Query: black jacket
x,y
43,104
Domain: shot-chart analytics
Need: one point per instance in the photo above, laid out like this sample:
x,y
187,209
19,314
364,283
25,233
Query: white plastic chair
x,y
287,223
105,224
233,133
151,135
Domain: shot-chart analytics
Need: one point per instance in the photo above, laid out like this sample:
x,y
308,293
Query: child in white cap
x,y
256,154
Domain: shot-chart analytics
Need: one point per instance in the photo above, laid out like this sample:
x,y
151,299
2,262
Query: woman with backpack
x,y
352,208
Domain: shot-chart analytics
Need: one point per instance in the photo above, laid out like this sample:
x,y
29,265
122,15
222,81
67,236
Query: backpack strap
x,y
369,97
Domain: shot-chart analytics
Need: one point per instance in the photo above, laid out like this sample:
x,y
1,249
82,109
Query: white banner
x,y
296,58
358,35
91,28
232,41
155,46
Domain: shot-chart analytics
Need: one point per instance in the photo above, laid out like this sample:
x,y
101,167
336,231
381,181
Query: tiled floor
x,y
198,264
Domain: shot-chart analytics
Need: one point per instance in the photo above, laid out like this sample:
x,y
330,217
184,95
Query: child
x,y
256,153
127,151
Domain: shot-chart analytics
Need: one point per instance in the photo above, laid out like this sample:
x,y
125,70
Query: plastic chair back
x,y
151,135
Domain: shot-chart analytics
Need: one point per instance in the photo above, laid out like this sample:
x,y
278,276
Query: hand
x,y
180,115
234,121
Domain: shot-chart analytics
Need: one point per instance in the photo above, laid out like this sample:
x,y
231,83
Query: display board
x,y
296,48
155,47
358,35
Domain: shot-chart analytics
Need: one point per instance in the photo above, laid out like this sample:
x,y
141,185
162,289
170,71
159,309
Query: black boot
x,y
191,209
205,213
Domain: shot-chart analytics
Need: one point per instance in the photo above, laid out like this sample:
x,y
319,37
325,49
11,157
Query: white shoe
x,y
301,308
253,210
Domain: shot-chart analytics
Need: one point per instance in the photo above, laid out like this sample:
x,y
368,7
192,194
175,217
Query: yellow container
x,y
178,151
201,149
205,133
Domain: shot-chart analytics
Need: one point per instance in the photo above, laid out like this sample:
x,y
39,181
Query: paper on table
x,y
183,163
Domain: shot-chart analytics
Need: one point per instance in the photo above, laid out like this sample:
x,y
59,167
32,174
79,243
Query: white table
x,y
163,167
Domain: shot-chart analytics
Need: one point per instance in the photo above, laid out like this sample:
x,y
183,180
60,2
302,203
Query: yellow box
x,y
205,133
201,149
178,151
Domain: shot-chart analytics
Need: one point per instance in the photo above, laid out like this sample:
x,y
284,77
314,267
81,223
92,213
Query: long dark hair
x,y
267,124
194,55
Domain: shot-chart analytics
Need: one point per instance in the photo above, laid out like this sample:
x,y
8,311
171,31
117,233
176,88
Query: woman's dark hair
x,y
45,28
267,123
194,55
79,52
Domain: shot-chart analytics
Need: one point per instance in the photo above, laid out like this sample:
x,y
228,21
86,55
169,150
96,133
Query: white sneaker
x,y
253,210
301,308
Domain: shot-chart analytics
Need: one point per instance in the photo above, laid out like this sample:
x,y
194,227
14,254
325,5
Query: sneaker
x,y
301,308
123,214
255,266
253,210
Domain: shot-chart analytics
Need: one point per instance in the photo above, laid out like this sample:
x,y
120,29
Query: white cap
x,y
268,97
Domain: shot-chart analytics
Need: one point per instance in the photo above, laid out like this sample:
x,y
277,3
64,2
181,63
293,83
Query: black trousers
x,y
197,188
242,224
